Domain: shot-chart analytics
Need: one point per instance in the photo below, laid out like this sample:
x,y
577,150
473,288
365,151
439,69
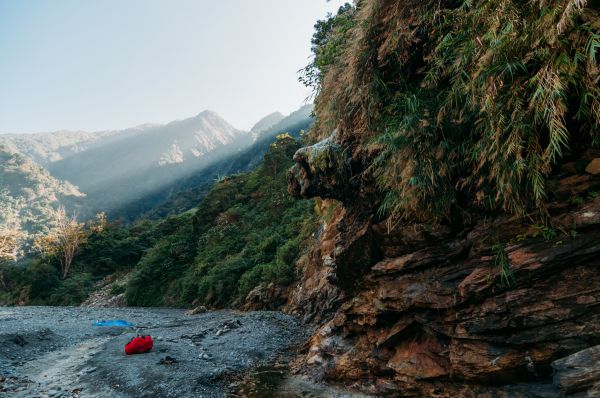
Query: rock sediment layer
x,y
498,307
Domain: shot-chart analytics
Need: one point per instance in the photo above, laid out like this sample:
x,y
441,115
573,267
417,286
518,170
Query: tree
x,y
98,225
9,243
276,159
64,241
9,239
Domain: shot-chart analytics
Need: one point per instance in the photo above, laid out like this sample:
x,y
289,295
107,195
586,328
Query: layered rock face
x,y
499,307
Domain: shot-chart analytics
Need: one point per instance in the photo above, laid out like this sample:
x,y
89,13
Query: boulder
x,y
593,167
321,170
579,372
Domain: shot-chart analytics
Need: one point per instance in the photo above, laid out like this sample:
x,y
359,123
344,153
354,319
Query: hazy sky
x,y
108,64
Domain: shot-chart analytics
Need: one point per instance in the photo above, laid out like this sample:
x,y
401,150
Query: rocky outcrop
x,y
593,167
499,307
322,169
579,373
265,297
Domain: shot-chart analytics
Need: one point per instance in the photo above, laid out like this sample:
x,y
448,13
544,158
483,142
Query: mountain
x,y
265,123
45,148
30,196
117,167
185,193
149,170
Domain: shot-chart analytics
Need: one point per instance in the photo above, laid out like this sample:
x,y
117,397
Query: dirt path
x,y
57,352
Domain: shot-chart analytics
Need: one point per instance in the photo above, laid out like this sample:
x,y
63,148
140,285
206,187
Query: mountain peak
x,y
208,113
266,122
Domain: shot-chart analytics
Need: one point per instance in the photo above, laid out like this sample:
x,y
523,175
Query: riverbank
x,y
57,352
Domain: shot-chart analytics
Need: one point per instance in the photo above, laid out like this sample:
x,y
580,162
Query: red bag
x,y
138,345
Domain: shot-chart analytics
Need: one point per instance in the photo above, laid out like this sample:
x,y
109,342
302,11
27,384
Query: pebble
x,y
168,360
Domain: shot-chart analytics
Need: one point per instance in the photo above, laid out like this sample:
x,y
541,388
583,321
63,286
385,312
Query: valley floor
x,y
57,352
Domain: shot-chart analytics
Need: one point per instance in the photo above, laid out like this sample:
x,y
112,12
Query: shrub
x,y
465,103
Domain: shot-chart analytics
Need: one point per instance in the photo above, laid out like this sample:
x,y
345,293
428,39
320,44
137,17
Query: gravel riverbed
x,y
57,352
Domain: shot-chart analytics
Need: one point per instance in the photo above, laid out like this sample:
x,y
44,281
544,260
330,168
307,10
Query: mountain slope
x,y
185,193
30,196
266,123
45,148
131,164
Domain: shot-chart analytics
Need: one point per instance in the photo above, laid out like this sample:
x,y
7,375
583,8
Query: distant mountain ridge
x,y
185,193
130,172
45,148
265,123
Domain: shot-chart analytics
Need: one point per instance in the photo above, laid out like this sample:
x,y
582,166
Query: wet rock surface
x,y
56,352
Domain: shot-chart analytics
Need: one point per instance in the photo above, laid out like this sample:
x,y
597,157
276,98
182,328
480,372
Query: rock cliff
x,y
495,306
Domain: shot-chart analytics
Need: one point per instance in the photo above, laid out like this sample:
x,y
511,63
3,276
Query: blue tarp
x,y
113,322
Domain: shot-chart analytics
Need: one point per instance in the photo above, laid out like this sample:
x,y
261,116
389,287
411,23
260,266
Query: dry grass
x,y
468,102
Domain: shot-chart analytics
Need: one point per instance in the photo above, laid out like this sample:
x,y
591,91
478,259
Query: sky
x,y
112,64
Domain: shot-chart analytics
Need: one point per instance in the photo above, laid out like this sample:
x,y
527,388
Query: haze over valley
x,y
148,169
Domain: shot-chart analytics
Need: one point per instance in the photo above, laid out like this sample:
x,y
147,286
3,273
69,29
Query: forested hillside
x,y
246,233
150,171
29,199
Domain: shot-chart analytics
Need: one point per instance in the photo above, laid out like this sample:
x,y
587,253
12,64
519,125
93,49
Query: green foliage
x,y
40,284
116,248
164,262
247,231
502,262
544,231
328,43
116,289
468,103
72,291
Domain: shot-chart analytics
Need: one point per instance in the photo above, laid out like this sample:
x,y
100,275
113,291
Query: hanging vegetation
x,y
465,103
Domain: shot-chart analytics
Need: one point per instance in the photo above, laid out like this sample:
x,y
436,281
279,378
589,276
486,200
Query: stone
x,y
168,360
197,310
321,170
578,372
265,297
593,167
